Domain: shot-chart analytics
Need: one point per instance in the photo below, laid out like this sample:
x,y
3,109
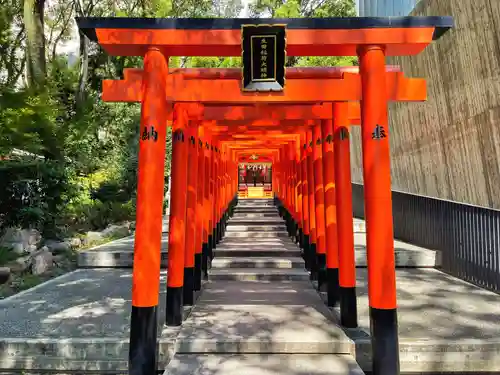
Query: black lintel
x,y
89,24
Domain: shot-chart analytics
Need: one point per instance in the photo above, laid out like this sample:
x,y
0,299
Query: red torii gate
x,y
371,39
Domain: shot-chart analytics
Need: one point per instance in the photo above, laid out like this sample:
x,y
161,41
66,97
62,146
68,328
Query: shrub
x,y
33,193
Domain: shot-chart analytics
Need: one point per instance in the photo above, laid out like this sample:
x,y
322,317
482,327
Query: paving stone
x,y
263,364
249,317
253,262
258,274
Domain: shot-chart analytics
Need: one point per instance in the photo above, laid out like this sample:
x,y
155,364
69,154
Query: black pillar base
x,y
297,233
204,260
188,288
332,279
301,238
348,307
210,248
321,259
214,241
143,333
307,257
174,306
217,233
313,262
197,271
385,343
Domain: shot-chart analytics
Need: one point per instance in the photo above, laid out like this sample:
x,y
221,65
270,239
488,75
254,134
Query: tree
x,y
35,44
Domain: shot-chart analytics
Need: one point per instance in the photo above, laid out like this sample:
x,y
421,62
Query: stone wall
x,y
449,146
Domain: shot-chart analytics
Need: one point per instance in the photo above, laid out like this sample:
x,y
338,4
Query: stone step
x,y
231,227
285,317
412,257
112,259
261,252
258,274
263,364
270,220
270,234
255,203
279,241
263,262
252,214
250,209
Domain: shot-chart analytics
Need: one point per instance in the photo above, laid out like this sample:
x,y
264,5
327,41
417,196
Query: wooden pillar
x,y
199,214
294,183
177,224
378,212
207,223
319,200
298,174
149,215
191,203
343,192
329,183
305,201
211,203
312,207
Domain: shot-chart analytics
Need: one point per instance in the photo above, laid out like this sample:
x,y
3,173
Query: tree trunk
x,y
36,69
84,70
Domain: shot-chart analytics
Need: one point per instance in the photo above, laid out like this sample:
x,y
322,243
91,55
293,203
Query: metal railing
x,y
467,236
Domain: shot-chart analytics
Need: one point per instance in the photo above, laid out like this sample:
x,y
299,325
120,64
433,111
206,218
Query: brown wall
x,y
449,146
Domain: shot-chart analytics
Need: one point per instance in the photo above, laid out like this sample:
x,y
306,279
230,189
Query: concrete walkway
x,y
260,303
80,321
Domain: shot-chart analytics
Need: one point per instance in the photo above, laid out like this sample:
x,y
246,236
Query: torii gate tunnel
x,y
299,118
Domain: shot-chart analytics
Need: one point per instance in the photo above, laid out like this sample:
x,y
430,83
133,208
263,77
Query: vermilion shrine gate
x,y
298,119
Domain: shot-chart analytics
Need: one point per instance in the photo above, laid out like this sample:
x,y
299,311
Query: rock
x,y
92,237
42,262
18,248
31,249
75,242
24,236
20,264
116,230
57,247
4,275
59,258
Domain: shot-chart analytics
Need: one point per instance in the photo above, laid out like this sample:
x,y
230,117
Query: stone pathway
x,y
80,321
260,314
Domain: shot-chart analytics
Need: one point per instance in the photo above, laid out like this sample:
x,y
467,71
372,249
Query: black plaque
x,y
264,52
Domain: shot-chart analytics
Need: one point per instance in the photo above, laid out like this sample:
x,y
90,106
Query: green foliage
x,y
82,172
6,255
33,194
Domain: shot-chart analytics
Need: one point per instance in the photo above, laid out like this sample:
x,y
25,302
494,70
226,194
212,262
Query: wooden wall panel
x,y
449,146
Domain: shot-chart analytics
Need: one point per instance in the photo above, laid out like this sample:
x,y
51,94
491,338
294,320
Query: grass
x,y
7,255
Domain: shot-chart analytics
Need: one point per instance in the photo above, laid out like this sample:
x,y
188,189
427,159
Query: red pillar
x,y
312,206
305,200
207,226
150,191
199,216
211,208
319,200
298,174
216,196
343,191
332,258
378,212
177,224
190,237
